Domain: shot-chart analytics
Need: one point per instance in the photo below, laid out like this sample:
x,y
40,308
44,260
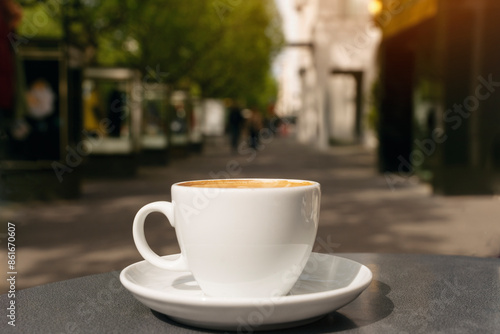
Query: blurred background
x,y
394,106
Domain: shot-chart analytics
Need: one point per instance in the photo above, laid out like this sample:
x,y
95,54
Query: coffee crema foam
x,y
245,184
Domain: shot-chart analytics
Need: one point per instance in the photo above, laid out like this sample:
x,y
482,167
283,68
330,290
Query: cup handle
x,y
147,253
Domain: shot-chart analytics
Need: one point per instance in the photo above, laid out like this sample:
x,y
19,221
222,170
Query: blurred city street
x,y
392,106
360,212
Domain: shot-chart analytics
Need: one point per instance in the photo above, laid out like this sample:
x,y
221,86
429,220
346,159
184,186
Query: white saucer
x,y
327,283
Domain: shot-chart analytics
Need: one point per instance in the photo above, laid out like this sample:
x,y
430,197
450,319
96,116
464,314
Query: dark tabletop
x,y
409,294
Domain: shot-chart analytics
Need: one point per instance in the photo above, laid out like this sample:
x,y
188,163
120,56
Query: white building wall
x,y
343,39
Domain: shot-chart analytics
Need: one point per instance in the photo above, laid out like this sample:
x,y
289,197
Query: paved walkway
x,y
360,212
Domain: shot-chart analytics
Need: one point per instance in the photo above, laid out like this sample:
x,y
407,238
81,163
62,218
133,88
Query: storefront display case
x,y
155,125
185,120
112,113
180,113
39,158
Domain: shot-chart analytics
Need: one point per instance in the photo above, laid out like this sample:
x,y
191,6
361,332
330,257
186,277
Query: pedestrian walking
x,y
254,126
235,124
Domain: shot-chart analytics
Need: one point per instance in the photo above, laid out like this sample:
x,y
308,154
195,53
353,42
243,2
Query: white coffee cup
x,y
238,237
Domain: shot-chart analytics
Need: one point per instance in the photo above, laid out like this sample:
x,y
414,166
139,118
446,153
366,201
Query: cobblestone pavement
x,y
360,211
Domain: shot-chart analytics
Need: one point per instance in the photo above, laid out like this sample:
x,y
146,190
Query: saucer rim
x,y
211,301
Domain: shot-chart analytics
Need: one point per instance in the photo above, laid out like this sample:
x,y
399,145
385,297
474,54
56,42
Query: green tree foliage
x,y
222,47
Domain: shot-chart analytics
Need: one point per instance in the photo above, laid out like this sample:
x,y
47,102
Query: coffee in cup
x,y
245,238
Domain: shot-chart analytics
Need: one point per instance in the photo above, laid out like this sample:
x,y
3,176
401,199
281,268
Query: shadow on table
x,y
370,307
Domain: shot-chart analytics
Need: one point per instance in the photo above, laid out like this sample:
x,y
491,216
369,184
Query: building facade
x,y
335,46
439,103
